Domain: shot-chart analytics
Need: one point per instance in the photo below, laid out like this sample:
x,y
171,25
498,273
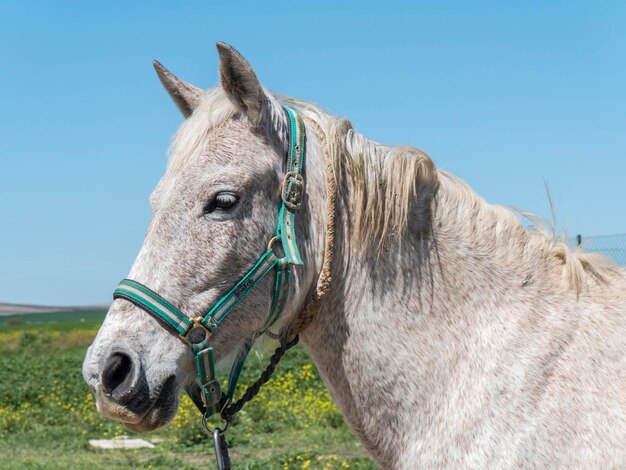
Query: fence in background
x,y
613,246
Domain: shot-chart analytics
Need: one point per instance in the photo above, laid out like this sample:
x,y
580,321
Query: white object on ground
x,y
120,442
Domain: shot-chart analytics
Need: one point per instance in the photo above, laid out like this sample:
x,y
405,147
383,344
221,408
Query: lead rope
x,y
252,391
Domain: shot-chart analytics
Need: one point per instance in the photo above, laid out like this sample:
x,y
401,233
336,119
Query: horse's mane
x,y
390,186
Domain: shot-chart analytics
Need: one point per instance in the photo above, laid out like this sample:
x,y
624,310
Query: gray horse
x,y
449,335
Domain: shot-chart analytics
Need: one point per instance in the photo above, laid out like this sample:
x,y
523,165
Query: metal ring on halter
x,y
197,326
210,431
271,246
271,243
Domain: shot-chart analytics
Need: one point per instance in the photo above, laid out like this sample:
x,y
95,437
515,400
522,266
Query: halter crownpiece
x,y
197,331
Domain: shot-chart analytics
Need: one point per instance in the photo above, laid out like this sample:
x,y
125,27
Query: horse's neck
x,y
439,347
396,324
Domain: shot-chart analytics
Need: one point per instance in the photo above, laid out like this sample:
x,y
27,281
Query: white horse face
x,y
214,213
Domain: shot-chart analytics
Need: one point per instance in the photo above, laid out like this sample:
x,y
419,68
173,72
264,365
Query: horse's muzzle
x,y
120,387
120,377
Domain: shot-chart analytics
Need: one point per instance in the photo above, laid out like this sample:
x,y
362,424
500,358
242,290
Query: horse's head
x,y
214,212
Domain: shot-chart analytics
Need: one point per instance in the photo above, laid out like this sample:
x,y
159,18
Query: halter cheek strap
x,y
197,331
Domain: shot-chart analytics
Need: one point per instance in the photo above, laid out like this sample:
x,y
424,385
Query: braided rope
x,y
324,279
252,391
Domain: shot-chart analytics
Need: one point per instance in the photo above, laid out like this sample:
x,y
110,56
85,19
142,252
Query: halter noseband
x,y
197,331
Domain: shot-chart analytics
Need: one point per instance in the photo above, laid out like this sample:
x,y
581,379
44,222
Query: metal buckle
x,y
293,193
197,325
214,391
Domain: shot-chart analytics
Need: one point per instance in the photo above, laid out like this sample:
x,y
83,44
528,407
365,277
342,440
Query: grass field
x,y
47,414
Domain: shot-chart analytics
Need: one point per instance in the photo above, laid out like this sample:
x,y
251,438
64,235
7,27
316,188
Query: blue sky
x,y
506,95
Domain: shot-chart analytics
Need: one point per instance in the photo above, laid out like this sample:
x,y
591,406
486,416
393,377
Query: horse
x,y
448,334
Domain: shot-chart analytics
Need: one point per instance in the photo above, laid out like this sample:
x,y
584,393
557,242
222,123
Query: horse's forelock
x,y
214,109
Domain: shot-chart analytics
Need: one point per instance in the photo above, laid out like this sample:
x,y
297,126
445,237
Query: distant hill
x,y
18,309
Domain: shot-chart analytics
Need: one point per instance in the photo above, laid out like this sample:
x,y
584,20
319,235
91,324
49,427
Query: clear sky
x,y
506,95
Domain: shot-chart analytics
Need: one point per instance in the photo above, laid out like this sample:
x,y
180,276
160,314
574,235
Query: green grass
x,y
65,318
47,414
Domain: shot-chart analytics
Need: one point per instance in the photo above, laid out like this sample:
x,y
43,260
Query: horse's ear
x,y
240,83
185,96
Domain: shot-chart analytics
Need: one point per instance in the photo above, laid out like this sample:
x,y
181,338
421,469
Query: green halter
x,y
197,331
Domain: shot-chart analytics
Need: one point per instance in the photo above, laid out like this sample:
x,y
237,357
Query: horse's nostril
x,y
117,376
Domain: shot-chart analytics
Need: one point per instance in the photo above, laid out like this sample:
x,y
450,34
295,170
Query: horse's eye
x,y
223,201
